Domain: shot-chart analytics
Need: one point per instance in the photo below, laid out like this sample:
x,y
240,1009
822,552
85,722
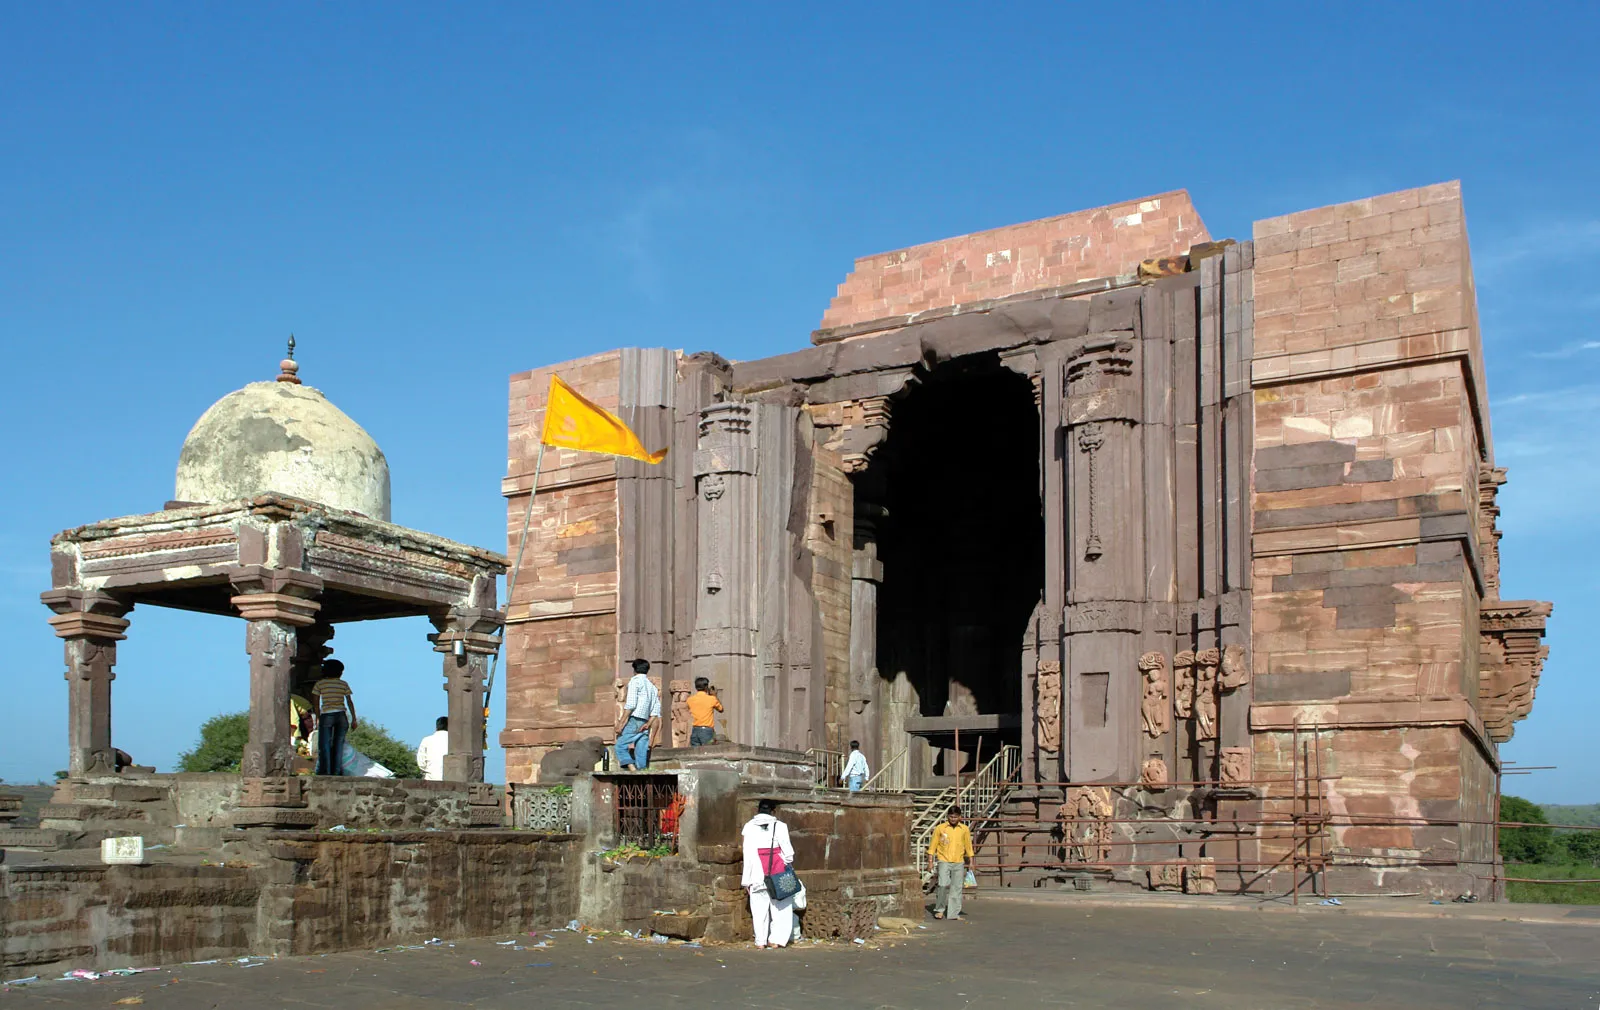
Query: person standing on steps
x,y
641,710
336,716
949,852
855,771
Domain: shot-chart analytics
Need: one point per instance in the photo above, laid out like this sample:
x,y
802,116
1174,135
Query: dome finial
x,y
288,368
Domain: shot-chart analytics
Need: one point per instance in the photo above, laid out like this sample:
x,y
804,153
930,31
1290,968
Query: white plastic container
x,y
125,851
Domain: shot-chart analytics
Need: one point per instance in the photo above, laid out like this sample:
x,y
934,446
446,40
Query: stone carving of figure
x,y
681,720
1235,669
1205,693
620,689
1086,820
1047,710
1156,706
1183,684
1153,775
1236,765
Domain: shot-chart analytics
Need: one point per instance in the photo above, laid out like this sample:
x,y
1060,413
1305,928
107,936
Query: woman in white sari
x,y
767,850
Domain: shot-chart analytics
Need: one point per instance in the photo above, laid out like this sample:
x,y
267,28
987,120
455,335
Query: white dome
x,y
287,438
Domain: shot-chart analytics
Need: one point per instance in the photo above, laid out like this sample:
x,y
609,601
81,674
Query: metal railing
x,y
894,776
979,797
829,764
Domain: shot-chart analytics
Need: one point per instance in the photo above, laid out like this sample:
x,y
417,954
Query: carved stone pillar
x,y
866,576
310,649
724,643
466,639
92,624
276,602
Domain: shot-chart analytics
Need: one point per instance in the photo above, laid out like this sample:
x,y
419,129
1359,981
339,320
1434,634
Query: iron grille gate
x,y
648,810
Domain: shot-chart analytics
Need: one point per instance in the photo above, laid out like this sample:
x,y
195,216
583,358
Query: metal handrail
x,y
979,797
893,777
829,764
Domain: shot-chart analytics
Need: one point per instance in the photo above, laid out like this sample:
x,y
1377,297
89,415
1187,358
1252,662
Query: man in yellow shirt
x,y
949,852
703,707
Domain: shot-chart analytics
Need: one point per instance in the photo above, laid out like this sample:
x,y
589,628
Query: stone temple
x,y
1196,538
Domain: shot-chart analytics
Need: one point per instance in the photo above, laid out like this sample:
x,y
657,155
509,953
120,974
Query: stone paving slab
x,y
1006,953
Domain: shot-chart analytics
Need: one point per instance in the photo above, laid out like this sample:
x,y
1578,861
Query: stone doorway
x,y
960,534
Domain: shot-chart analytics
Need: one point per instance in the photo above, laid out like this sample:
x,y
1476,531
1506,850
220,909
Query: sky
x,y
432,197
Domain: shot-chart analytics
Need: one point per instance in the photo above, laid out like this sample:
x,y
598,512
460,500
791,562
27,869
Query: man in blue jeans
x,y
641,710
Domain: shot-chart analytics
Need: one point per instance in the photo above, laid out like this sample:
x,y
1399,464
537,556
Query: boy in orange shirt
x,y
703,706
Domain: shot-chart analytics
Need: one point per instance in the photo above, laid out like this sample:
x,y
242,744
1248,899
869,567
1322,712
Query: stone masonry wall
x,y
325,892
114,916
1369,433
561,639
1053,252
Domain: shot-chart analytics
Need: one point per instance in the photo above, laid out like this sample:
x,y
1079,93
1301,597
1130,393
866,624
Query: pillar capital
x,y
286,595
474,627
87,613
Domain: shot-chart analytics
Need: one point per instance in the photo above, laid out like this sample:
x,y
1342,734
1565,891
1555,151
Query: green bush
x,y
221,746
1525,845
222,740
376,743
1581,847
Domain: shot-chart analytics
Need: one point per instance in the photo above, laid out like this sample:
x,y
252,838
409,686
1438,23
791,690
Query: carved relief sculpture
x,y
1200,876
620,689
1153,774
1156,706
1236,766
1166,877
1235,668
1183,684
1090,439
681,720
1047,710
1086,824
1205,693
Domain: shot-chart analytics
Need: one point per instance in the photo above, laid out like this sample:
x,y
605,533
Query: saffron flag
x,y
573,422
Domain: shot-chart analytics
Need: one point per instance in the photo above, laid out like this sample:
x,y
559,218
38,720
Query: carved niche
x,y
1205,693
1156,706
1086,824
1235,668
1183,684
1237,766
681,719
1153,774
1047,705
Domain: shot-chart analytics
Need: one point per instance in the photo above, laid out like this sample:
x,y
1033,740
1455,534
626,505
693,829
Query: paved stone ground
x,y
1016,953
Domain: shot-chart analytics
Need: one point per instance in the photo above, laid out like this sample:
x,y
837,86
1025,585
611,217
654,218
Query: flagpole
x,y
511,587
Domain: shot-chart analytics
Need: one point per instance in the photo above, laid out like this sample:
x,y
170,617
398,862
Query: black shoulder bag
x,y
784,884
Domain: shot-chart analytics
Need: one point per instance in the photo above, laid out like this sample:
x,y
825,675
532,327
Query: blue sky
x,y
432,197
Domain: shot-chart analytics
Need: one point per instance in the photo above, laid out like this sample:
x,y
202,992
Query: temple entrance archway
x,y
960,534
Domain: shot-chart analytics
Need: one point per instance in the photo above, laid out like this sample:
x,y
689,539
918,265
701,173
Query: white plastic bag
x,y
357,763
800,898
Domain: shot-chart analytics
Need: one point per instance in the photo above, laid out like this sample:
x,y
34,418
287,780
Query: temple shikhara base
x,y
1175,559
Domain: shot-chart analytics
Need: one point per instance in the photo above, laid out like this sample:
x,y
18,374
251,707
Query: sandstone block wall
x,y
561,641
1057,251
1370,432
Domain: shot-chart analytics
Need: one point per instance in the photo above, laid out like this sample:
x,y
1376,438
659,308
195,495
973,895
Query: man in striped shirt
x,y
336,716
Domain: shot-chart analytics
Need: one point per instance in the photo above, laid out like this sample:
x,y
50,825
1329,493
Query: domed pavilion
x,y
280,517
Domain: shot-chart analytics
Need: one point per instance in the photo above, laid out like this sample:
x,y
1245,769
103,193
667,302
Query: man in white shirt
x,y
855,769
641,710
431,752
